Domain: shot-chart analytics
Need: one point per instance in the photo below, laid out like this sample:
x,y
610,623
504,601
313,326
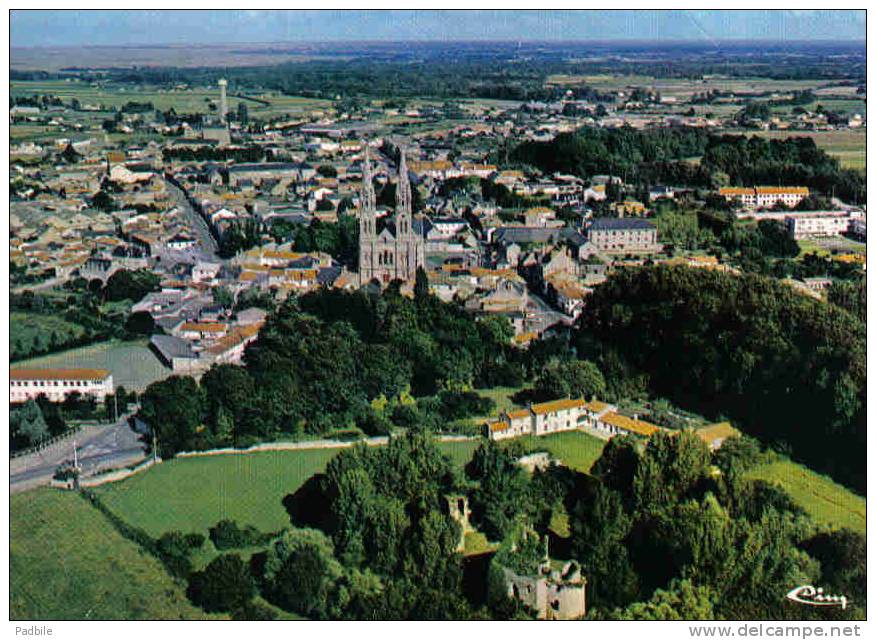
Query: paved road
x,y
207,247
97,447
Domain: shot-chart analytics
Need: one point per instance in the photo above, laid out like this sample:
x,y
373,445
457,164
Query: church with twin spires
x,y
398,250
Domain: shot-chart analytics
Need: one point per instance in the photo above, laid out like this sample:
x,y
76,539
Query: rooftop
x,y
630,424
619,224
58,374
557,405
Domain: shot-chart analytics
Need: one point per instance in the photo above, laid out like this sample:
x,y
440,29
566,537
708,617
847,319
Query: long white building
x,y
820,224
56,384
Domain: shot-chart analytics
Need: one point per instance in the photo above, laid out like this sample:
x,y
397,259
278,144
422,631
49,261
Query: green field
x,y
67,562
826,501
193,494
24,328
132,364
191,100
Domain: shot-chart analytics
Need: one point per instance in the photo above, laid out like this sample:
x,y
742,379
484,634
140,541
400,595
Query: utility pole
x,y
75,457
116,403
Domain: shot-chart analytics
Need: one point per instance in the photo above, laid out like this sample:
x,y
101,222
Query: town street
x,y
207,247
97,447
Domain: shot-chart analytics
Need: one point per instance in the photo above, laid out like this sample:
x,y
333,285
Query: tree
x,y
300,571
672,466
173,409
140,322
242,113
130,285
223,297
103,201
681,600
599,526
224,585
70,155
660,320
421,286
500,496
843,557
570,378
617,465
27,426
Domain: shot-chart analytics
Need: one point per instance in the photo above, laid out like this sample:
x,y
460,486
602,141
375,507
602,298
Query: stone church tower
x,y
399,249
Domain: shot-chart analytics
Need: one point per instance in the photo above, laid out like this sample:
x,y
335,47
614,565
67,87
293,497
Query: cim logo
x,y
816,597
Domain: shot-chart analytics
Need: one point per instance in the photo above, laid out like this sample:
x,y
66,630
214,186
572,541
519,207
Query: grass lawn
x,y
193,494
132,364
826,501
575,449
67,562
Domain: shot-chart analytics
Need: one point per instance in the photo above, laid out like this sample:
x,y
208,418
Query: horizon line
x,y
444,41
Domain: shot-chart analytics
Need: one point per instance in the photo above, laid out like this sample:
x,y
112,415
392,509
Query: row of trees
x,y
658,156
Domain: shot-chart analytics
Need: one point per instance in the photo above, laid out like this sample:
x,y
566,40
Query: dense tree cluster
x,y
754,161
340,240
650,156
333,360
386,548
658,156
239,236
660,522
786,367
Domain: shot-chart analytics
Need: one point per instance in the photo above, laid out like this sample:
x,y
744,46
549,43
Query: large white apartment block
x,y
765,197
56,384
822,224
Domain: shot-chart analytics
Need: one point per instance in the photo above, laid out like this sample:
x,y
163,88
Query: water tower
x,y
223,99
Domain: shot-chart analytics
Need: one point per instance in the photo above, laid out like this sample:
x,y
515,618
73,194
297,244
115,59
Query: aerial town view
x,y
437,315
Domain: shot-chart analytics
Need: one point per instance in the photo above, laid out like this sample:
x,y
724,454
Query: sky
x,y
123,27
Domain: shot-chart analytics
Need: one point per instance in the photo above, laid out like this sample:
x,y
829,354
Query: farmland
x,y
188,100
67,562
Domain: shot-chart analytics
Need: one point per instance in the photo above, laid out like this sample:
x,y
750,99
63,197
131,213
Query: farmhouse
x,y
569,415
537,419
56,384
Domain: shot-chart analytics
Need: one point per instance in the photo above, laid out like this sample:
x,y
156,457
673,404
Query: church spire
x,y
403,206
367,197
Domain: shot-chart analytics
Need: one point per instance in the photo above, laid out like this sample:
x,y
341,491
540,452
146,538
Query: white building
x,y
821,225
537,419
56,384
765,197
205,271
